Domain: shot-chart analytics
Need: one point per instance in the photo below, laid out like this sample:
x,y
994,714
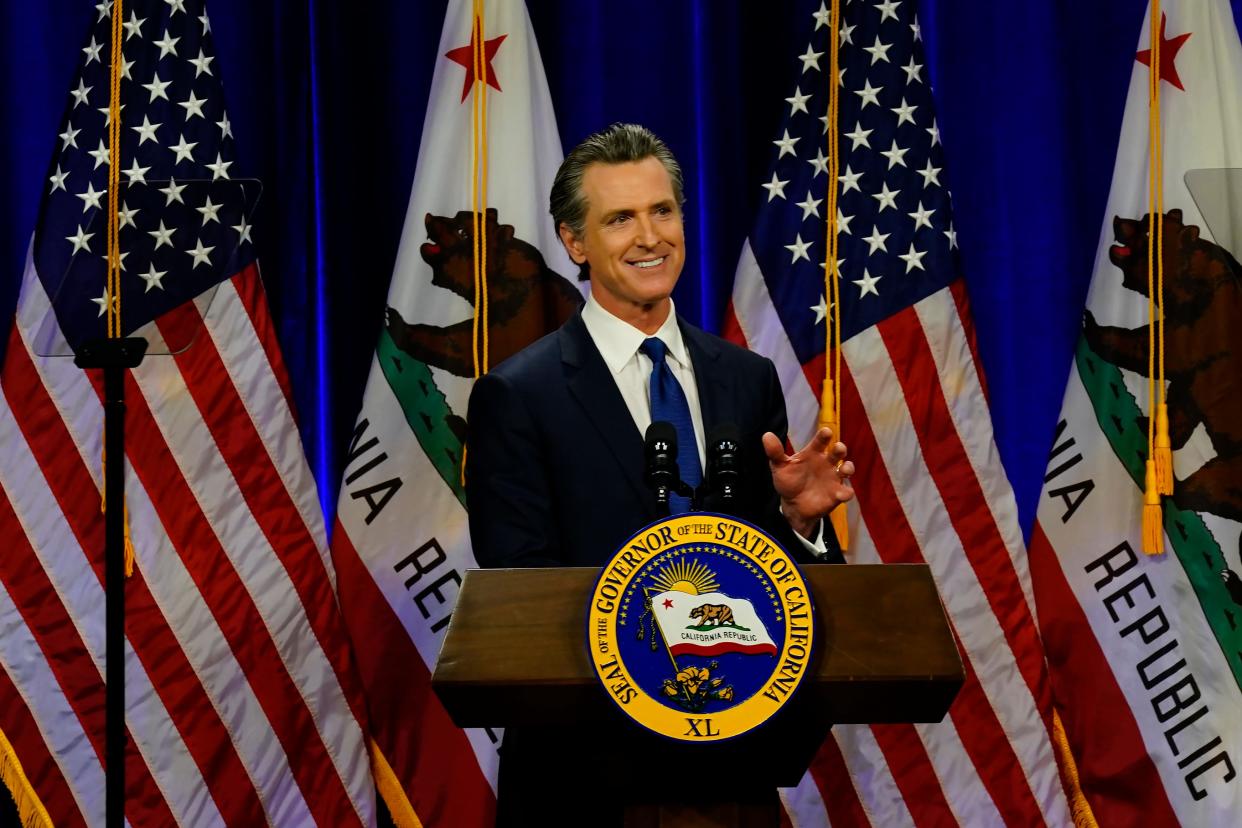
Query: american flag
x,y
242,707
914,414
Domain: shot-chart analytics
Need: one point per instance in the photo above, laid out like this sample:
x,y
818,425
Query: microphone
x,y
724,464
660,451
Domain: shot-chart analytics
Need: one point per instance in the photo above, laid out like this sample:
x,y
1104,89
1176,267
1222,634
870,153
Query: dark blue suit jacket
x,y
554,461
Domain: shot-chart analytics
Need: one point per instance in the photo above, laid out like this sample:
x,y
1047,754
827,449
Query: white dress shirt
x,y
618,343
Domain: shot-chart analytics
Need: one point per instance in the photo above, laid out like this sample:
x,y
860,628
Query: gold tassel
x,y
1080,808
1163,452
30,810
103,510
1153,528
390,789
841,526
838,516
129,546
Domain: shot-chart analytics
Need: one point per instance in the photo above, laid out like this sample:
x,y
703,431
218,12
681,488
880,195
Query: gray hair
x,y
618,144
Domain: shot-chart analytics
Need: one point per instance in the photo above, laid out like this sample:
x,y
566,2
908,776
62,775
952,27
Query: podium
x,y
515,656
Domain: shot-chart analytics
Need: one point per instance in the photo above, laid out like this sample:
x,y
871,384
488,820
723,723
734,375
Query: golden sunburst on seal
x,y
690,577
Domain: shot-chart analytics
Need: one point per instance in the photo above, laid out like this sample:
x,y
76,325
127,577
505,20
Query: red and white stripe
x,y
242,702
931,489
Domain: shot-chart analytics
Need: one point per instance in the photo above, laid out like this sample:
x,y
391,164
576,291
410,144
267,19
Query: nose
x,y
647,235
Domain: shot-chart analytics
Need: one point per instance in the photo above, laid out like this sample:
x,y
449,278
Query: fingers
x,y
820,441
837,454
774,448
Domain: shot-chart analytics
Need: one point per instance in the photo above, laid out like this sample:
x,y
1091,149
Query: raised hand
x,y
812,482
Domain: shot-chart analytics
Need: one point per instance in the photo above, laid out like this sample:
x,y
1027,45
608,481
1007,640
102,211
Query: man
x,y
555,459
554,471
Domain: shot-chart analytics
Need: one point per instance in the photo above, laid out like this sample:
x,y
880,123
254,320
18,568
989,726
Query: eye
x,y
620,218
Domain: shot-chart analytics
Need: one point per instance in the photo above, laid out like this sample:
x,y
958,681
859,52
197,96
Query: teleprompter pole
x,y
114,357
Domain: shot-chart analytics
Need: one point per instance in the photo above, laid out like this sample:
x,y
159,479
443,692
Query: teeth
x,y
651,263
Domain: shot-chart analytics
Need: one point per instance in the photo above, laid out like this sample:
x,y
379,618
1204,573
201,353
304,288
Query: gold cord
x,y
1153,521
830,392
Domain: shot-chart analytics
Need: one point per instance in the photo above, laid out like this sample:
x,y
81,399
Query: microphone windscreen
x,y
662,432
724,433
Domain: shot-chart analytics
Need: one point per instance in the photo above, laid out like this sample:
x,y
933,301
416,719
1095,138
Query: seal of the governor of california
x,y
701,627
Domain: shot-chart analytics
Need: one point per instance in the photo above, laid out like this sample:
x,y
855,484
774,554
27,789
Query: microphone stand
x,y
114,357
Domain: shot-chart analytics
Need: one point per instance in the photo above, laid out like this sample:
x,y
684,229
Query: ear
x,y
573,245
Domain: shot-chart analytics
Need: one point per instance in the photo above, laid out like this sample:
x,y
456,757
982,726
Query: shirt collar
x,y
618,341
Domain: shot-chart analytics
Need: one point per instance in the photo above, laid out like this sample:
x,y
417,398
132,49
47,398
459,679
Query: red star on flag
x,y
668,604
1168,54
465,56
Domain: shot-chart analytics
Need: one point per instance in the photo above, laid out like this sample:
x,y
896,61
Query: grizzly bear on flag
x,y
1202,358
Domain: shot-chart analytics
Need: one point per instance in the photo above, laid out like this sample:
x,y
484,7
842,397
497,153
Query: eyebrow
x,y
629,211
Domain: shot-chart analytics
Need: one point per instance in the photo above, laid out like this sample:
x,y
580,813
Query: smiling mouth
x,y
649,263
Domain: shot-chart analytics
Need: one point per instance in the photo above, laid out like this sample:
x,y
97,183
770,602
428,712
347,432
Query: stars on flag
x,y
219,168
181,217
135,173
209,211
464,55
193,106
80,240
146,130
80,94
162,235
173,192
810,206
100,154
202,63
867,284
775,188
168,45
201,254
157,88
878,51
181,150
58,179
889,183
69,137
786,144
798,101
153,278
90,198
877,240
810,59
133,26
799,249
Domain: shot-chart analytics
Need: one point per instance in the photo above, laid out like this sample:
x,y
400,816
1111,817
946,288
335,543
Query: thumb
x,y
774,449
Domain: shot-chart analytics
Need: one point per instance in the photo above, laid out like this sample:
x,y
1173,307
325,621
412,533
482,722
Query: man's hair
x,y
618,144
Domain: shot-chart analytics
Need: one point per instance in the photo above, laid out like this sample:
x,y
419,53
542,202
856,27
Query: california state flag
x,y
488,156
1146,651
710,624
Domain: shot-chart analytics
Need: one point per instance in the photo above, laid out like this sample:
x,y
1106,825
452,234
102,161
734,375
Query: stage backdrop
x,y
327,101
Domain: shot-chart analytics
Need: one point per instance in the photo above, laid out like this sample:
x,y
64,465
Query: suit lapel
x,y
716,398
591,384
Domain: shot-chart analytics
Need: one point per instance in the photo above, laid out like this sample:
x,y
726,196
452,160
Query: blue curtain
x,y
327,103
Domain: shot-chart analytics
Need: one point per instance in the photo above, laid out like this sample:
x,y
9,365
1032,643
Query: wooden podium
x,y
515,655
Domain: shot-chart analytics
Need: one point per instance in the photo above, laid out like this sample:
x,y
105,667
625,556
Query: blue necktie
x,y
668,403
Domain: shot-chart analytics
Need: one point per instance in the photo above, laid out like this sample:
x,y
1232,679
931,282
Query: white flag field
x,y
401,542
1146,651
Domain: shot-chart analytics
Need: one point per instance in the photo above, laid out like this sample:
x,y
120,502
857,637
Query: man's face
x,y
632,240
